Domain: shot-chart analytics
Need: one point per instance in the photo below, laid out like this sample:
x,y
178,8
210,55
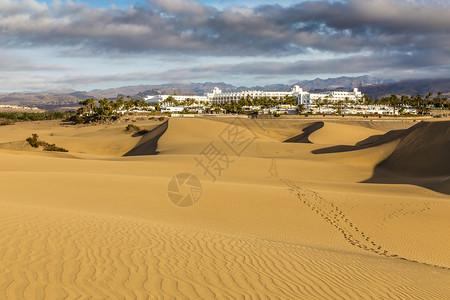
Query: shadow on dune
x,y
421,158
148,144
140,133
439,184
371,141
307,131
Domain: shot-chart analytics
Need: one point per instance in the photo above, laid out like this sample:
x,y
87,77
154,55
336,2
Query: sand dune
x,y
100,140
421,158
148,144
341,134
280,222
306,132
424,151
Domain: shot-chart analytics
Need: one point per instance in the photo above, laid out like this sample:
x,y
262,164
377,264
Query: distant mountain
x,y
124,90
374,87
81,95
340,83
321,84
186,89
44,100
169,88
408,87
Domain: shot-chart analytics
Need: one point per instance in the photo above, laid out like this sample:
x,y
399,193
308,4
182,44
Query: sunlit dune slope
x,y
341,134
102,140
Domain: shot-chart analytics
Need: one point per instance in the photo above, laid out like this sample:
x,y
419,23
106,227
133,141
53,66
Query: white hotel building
x,y
310,99
161,98
218,97
306,98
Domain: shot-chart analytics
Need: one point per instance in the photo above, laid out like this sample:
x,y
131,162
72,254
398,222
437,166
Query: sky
x,y
83,45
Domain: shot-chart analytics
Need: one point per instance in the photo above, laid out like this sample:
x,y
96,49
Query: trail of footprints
x,y
354,234
333,215
407,209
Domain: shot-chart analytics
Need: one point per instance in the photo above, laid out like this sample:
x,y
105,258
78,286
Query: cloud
x,y
191,40
356,64
400,66
18,63
188,26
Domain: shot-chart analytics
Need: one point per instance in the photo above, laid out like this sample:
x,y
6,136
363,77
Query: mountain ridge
x,y
374,87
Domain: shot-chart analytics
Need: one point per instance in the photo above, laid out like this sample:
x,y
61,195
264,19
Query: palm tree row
x,y
106,110
422,105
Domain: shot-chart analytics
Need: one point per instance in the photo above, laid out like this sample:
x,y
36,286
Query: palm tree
x,y
88,107
128,105
104,109
420,105
340,105
119,103
326,102
319,103
393,101
301,108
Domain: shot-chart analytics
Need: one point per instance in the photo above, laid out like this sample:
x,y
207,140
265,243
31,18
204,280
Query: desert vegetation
x,y
34,116
246,105
36,143
422,105
131,128
106,110
4,121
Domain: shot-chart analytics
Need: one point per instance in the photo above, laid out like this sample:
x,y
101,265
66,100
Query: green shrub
x,y
6,122
132,128
33,140
135,129
35,116
35,143
53,147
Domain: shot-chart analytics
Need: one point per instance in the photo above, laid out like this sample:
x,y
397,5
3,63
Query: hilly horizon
x,y
376,88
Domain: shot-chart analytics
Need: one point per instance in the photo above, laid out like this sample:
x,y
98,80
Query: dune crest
x,y
341,134
148,144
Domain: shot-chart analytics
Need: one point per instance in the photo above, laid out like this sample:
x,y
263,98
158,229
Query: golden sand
x,y
368,217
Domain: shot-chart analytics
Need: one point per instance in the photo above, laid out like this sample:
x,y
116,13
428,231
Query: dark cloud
x,y
356,64
19,63
400,66
187,26
391,38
